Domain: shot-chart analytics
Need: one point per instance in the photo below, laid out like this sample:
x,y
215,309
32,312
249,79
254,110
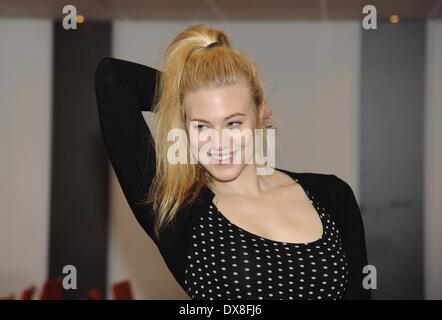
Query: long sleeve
x,y
124,89
354,237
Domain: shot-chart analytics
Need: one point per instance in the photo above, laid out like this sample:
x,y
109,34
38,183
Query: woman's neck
x,y
249,183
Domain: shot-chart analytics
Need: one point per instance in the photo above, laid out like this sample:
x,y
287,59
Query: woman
x,y
224,231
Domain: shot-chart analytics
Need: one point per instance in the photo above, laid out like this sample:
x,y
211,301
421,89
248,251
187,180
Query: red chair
x,y
122,291
52,289
28,293
45,293
94,294
57,288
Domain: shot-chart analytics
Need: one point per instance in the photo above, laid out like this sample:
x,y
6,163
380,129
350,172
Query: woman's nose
x,y
220,141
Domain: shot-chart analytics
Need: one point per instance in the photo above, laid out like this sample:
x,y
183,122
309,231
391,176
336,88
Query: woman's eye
x,y
199,127
234,124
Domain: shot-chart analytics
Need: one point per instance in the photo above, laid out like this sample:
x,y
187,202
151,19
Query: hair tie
x,y
213,44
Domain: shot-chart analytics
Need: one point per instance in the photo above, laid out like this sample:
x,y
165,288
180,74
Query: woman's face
x,y
221,123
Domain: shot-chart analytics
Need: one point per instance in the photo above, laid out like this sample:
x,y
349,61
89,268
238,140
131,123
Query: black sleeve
x,y
354,235
124,89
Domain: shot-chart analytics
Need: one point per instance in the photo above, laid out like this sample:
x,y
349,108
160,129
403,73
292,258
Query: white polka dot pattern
x,y
228,262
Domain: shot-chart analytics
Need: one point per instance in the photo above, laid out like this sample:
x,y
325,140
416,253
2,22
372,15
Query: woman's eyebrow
x,y
235,114
226,118
200,120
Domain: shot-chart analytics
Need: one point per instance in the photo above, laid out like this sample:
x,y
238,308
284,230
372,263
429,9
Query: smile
x,y
222,157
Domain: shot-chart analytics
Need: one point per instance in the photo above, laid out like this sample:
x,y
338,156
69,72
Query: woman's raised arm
x,y
124,89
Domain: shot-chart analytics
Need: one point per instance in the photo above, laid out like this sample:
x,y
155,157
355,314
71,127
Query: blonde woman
x,y
225,231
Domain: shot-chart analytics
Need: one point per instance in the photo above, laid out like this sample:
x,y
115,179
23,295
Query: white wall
x,y
310,72
25,122
433,163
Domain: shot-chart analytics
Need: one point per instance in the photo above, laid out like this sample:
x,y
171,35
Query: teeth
x,y
222,157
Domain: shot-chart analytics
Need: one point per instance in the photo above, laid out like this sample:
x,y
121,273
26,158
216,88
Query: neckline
x,y
295,177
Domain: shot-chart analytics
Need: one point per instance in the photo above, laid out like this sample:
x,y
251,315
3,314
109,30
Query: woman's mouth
x,y
222,158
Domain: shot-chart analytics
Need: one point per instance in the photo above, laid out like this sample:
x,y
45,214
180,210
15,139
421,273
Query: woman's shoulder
x,y
325,185
314,179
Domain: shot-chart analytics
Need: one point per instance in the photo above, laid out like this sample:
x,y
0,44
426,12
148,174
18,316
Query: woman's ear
x,y
265,113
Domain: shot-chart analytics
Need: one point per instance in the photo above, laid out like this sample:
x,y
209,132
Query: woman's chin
x,y
225,172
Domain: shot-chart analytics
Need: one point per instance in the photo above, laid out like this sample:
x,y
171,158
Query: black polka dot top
x,y
228,262
210,257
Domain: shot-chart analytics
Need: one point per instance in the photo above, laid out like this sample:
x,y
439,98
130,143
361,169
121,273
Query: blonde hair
x,y
188,65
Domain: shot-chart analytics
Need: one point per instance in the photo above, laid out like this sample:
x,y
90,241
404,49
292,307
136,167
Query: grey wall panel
x,y
391,151
79,185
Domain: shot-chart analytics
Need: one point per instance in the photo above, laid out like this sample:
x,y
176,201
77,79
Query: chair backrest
x,y
94,294
28,293
122,291
57,288
45,293
52,289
